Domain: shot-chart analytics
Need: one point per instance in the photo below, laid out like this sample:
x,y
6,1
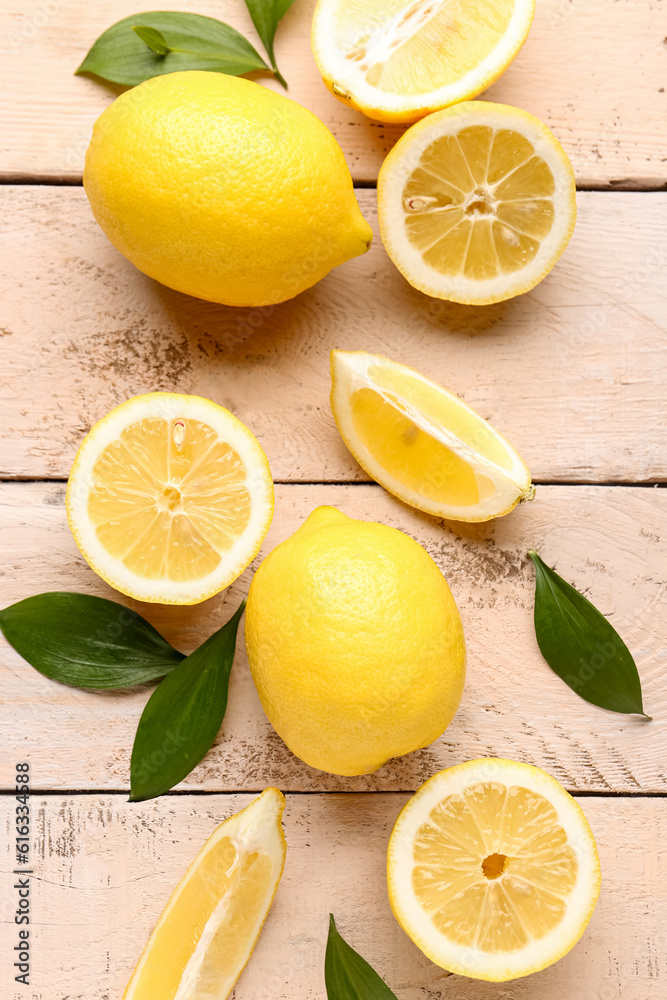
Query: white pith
x,y
351,372
348,80
405,157
170,406
468,960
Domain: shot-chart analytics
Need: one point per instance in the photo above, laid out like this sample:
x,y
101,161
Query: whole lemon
x,y
220,188
354,642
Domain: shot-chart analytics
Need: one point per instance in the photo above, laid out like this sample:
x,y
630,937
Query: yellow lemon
x,y
493,870
218,187
422,443
210,925
354,642
397,60
476,203
169,498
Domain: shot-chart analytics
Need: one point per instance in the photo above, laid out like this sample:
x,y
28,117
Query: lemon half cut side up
x,y
169,498
476,203
493,870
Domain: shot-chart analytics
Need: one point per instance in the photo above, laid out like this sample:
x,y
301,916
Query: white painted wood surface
x,y
570,373
607,541
593,71
107,868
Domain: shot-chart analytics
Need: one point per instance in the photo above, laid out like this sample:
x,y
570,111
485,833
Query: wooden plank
x,y
571,373
105,869
609,541
609,112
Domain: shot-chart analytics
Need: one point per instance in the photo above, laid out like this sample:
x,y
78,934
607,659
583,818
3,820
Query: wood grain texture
x,y
609,542
571,373
106,868
597,80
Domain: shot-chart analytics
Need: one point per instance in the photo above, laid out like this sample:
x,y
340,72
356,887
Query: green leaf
x,y
581,646
153,38
347,975
87,641
194,42
183,715
265,16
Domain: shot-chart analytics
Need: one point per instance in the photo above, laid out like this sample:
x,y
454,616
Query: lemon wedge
x,y
476,203
210,926
169,498
397,60
493,870
421,442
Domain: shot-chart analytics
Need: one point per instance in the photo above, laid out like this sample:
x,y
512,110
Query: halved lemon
x,y
476,203
169,498
210,926
398,60
493,870
422,443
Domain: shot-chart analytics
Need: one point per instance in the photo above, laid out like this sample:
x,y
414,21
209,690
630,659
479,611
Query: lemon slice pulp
x,y
493,870
476,203
209,927
169,498
396,60
421,442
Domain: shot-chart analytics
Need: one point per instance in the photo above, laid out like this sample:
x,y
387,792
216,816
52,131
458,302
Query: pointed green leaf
x,y
153,38
193,41
581,646
265,16
183,715
347,975
87,641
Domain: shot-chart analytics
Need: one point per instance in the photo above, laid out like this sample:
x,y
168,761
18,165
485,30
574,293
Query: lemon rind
x,y
469,961
257,827
402,160
348,86
199,215
349,372
170,406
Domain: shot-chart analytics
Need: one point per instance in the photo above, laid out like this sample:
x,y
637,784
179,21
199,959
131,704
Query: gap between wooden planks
x,y
570,373
107,868
594,72
605,540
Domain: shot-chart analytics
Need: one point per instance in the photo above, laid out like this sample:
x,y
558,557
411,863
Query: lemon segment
x,y
169,498
210,925
493,870
421,442
476,203
398,60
